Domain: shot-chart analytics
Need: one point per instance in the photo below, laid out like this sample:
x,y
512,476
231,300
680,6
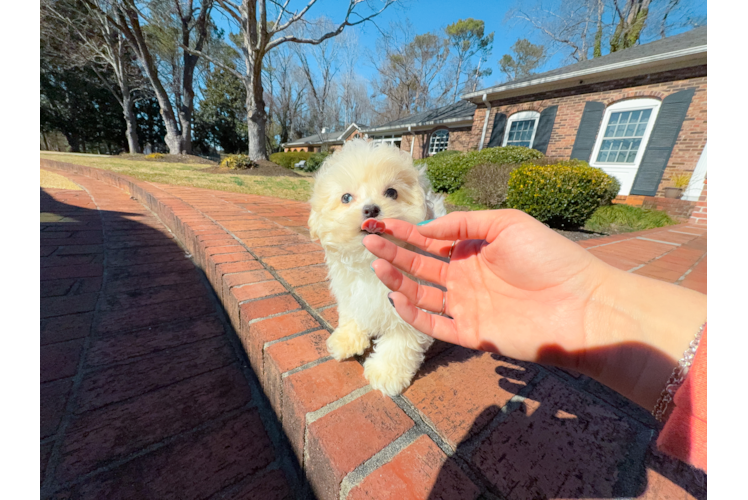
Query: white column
x,y
693,191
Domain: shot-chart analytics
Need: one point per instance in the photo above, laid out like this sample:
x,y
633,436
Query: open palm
x,y
513,285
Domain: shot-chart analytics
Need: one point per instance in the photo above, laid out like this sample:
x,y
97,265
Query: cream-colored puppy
x,y
361,181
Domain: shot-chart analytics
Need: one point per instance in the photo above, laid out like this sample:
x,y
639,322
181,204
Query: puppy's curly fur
x,y
355,182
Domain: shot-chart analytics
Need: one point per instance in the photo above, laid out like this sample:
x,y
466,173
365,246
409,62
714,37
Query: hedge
x,y
315,161
447,171
561,195
290,158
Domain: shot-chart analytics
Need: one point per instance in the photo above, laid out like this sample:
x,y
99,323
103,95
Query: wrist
x,y
636,330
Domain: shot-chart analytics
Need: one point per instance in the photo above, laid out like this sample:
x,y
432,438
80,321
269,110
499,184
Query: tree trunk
x,y
256,119
133,144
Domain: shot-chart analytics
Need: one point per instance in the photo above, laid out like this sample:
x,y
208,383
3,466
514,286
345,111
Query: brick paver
x,y
471,425
143,392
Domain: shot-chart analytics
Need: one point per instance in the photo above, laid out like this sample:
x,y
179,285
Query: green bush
x,y
625,218
488,183
237,162
560,195
290,158
315,161
447,171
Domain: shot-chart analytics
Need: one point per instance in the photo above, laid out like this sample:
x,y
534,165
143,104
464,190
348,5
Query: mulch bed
x,y
265,168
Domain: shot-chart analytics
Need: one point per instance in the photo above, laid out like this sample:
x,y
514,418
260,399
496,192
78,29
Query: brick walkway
x,y
472,425
143,392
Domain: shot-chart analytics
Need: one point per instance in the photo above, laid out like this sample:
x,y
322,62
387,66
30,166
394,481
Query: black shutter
x,y
497,132
661,142
545,126
587,131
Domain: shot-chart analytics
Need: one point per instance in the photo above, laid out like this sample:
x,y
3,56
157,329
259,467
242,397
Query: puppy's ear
x,y
313,225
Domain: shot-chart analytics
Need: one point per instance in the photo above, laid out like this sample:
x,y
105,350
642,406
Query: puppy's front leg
x,y
397,356
347,340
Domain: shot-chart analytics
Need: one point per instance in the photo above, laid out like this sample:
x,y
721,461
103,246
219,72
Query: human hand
x,y
520,289
513,285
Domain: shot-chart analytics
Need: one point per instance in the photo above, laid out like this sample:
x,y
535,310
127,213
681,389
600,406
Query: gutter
x,y
631,64
467,120
485,121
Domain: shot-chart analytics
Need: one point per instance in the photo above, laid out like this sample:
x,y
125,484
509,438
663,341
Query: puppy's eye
x,y
346,198
391,193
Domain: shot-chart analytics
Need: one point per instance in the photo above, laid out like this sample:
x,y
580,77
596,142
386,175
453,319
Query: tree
x,y
286,95
411,71
97,44
220,119
192,29
527,58
468,40
632,16
259,36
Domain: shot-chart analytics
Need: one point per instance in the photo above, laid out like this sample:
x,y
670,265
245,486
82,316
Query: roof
x,y
461,111
324,137
679,51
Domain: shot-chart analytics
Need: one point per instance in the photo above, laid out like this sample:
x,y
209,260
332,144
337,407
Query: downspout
x,y
412,141
485,122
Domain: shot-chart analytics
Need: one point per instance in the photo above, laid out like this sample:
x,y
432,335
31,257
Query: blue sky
x,y
434,15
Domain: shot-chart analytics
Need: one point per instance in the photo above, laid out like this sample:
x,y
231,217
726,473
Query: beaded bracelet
x,y
677,377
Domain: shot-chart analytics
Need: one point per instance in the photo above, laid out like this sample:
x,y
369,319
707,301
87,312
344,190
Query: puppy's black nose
x,y
372,211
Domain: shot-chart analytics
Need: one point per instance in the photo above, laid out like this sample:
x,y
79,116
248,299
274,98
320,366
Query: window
x,y
623,136
622,139
520,130
439,141
391,139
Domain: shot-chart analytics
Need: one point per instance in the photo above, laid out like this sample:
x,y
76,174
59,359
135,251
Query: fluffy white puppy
x,y
361,181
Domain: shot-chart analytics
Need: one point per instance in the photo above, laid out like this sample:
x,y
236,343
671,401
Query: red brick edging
x,y
441,437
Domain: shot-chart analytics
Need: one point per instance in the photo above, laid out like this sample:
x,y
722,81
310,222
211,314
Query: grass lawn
x,y
184,174
612,219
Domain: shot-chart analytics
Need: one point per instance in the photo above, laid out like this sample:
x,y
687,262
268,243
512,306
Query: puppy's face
x,y
358,182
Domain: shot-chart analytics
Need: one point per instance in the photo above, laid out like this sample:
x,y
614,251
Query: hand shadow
x,y
565,439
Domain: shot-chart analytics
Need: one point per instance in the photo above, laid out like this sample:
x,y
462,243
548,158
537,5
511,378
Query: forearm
x,y
636,330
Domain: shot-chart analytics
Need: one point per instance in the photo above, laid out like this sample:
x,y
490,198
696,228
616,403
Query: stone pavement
x,y
144,391
472,425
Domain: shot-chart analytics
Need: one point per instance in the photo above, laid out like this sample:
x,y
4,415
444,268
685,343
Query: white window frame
x,y
432,142
390,139
522,116
620,169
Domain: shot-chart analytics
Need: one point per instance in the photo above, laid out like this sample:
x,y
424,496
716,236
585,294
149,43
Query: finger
x,y
479,225
408,233
433,325
420,266
424,297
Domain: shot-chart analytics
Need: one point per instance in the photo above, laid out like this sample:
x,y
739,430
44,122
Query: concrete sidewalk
x,y
472,425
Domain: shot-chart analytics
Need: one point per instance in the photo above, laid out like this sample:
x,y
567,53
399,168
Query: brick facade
x,y
570,102
460,139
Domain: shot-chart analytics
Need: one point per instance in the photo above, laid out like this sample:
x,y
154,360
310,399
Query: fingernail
x,y
390,299
425,222
372,268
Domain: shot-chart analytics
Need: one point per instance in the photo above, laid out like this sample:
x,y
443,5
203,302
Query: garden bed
x,y
264,168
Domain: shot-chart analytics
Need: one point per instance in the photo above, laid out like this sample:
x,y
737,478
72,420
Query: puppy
x,y
358,182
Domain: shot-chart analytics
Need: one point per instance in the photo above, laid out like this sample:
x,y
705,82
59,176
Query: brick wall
x,y
570,102
460,139
698,216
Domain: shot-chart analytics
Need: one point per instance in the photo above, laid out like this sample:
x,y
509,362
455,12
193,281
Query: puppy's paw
x,y
388,377
346,341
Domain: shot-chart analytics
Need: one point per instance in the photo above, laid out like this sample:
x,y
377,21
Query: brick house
x,y
329,141
639,114
429,132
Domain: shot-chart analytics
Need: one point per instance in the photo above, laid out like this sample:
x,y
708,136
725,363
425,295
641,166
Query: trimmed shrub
x,y
315,161
447,172
488,183
290,158
560,195
237,162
